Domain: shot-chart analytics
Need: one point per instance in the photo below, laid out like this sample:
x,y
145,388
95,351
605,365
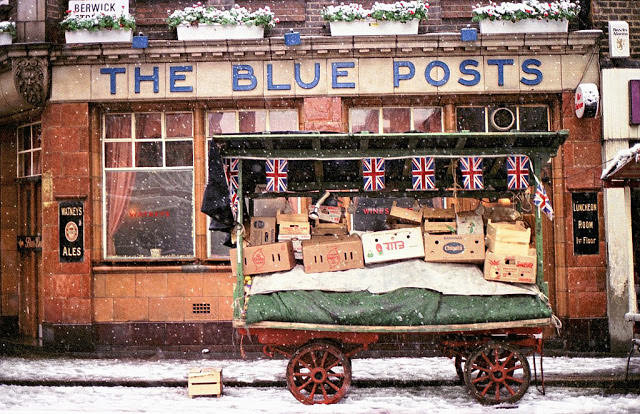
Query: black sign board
x,y
71,231
27,243
585,223
371,213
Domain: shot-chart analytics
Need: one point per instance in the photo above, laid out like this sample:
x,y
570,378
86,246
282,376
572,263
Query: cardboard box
x,y
508,238
322,229
205,382
384,246
330,214
404,215
293,224
262,231
267,258
469,222
439,220
511,268
296,241
332,255
454,248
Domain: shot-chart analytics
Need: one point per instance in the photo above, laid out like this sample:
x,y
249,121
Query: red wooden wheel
x,y
319,373
497,373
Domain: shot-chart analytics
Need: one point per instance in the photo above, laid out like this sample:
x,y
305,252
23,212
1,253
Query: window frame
x,y
133,140
381,118
29,151
488,107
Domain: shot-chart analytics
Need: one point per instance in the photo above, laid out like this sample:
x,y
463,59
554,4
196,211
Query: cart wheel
x,y
497,373
319,373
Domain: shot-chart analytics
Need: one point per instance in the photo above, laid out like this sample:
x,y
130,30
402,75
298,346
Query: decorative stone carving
x,y
31,77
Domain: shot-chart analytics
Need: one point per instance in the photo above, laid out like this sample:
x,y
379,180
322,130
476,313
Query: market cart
x,y
489,349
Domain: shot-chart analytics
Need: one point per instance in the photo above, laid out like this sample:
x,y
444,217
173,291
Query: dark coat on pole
x,y
216,201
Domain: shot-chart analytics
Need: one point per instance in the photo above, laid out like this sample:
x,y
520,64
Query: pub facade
x,y
104,155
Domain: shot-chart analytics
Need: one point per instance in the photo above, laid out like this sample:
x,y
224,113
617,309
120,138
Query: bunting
x,y
471,169
277,172
373,174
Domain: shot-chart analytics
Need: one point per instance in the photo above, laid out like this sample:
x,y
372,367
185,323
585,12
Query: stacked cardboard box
x,y
509,256
508,238
454,248
439,220
388,245
330,254
267,258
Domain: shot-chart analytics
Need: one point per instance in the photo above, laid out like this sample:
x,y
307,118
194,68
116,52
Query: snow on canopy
x,y
621,158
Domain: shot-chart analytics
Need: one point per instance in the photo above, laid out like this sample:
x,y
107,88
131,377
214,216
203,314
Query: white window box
x,y
5,38
220,32
524,26
98,36
373,28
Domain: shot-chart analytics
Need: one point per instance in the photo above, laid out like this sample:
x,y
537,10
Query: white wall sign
x,y
587,100
90,8
618,39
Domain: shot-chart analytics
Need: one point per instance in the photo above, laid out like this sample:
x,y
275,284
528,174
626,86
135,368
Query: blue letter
x,y
237,76
173,77
530,71
112,76
397,77
440,64
316,76
270,85
465,71
500,63
139,78
335,74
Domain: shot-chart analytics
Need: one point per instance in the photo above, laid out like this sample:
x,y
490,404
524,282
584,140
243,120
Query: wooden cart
x,y
491,358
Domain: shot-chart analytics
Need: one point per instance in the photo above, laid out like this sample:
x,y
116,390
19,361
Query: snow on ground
x,y
421,369
446,399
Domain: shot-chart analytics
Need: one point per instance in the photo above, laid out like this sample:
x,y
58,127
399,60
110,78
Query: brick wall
x,y
65,166
161,296
605,10
8,224
581,291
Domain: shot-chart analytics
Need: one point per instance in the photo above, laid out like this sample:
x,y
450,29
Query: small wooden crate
x,y
205,382
439,220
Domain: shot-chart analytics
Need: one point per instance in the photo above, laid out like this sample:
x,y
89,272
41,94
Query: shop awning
x,y
624,169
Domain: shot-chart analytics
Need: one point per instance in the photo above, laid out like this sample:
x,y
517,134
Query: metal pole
x,y
238,295
537,170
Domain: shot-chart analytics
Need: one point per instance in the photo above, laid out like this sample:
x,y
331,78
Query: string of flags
x,y
422,176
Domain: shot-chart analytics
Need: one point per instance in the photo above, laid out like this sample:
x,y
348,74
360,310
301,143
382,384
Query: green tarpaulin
x,y
401,307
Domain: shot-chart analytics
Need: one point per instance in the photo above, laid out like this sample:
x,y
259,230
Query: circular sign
x,y
71,231
503,119
587,100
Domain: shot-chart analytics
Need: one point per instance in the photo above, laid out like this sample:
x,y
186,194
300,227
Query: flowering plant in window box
x,y
99,28
200,22
401,17
7,32
525,16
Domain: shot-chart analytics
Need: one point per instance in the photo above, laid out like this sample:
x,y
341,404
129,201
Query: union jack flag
x,y
231,171
541,200
373,173
517,172
277,171
423,176
233,201
471,169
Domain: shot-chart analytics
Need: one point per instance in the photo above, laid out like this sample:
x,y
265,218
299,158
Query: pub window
x,y
148,185
395,119
29,139
502,118
248,121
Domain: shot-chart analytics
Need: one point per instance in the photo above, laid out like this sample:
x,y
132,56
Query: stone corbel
x,y
31,77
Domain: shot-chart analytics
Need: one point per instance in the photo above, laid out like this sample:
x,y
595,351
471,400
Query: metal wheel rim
x,y
497,373
319,373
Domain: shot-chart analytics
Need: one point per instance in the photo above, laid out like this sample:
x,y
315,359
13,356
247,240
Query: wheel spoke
x,y
480,379
335,374
484,391
497,391
479,368
332,385
313,359
306,384
300,374
324,393
313,391
509,358
513,368
324,358
484,356
512,392
510,378
305,364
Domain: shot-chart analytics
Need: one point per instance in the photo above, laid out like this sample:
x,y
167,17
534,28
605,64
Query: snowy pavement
x,y
248,398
